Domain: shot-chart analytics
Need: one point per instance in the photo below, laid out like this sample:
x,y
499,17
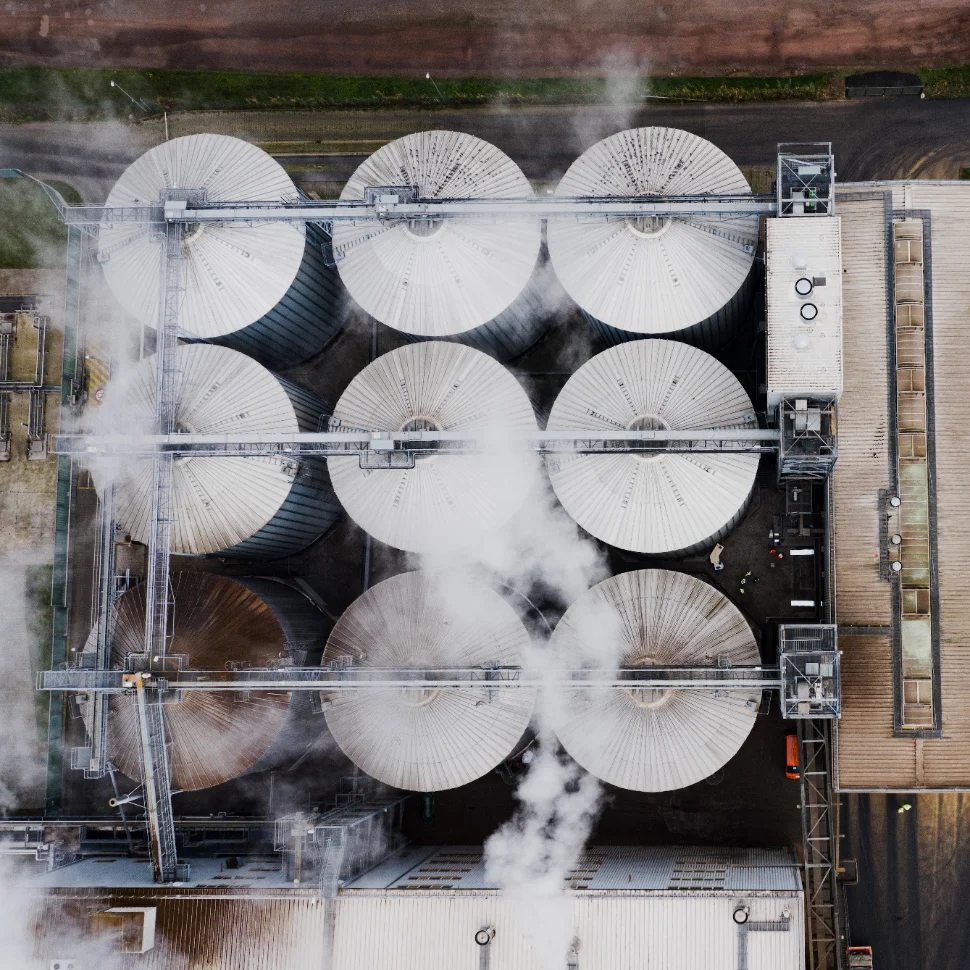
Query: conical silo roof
x,y
663,502
213,736
234,273
429,740
445,501
653,276
655,740
446,277
219,501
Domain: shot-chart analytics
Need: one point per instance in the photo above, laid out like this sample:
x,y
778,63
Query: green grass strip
x,y
33,236
38,93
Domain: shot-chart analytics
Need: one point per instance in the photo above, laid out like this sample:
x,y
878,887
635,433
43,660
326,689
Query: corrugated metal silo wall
x,y
705,546
710,334
304,322
515,330
518,328
311,507
306,630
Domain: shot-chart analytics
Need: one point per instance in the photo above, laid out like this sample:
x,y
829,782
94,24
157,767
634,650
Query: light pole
x,y
134,101
431,79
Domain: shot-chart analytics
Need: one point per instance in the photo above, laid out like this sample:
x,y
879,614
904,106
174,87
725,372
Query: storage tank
x,y
655,503
445,501
246,507
681,276
264,288
462,278
653,740
213,736
428,739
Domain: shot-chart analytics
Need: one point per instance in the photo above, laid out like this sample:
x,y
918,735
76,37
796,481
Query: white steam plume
x,y
542,553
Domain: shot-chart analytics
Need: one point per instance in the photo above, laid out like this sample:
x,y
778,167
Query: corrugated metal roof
x,y
219,502
654,740
429,740
650,276
663,502
242,926
633,868
614,932
124,873
870,756
234,274
944,762
212,736
445,501
804,297
447,277
426,932
862,469
194,933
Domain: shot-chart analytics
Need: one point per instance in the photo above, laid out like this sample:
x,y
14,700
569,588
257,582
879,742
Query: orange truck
x,y
860,958
793,767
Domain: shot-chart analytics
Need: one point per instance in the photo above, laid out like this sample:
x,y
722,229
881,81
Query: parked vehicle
x,y
860,958
793,766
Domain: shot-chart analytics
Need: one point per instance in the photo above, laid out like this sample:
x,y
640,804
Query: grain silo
x,y
428,739
682,276
466,278
648,739
445,501
662,502
213,736
263,288
246,507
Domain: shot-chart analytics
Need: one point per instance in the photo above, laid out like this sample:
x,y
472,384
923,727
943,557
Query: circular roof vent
x,y
212,736
654,739
656,501
447,276
219,501
235,273
808,311
653,276
426,738
804,286
445,501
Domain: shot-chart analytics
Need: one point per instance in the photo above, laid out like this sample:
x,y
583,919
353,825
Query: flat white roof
x,y
804,296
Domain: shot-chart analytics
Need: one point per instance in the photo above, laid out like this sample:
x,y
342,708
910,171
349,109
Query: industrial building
x,y
268,748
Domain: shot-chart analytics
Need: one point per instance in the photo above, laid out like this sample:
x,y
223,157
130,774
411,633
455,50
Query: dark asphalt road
x,y
914,879
872,139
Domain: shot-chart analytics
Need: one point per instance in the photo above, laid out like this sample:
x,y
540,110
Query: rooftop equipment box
x,y
133,927
804,297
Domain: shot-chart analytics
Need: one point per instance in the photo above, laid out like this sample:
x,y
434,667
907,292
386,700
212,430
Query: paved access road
x,y
914,879
872,138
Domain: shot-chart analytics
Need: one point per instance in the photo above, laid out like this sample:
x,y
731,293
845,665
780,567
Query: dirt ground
x,y
487,37
27,487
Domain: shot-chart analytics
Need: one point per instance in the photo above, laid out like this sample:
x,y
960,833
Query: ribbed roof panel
x,y
652,503
219,501
445,501
464,272
437,739
653,276
655,740
213,736
234,274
